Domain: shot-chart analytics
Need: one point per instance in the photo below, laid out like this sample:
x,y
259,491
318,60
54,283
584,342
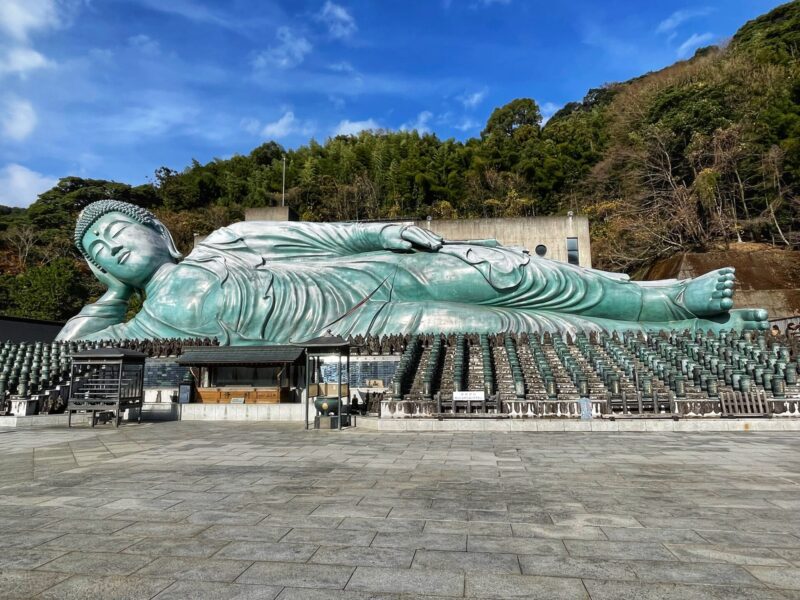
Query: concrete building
x,y
565,239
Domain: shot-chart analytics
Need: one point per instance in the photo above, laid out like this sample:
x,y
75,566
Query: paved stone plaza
x,y
234,510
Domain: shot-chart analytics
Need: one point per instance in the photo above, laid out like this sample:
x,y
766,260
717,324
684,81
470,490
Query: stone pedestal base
x,y
331,422
23,407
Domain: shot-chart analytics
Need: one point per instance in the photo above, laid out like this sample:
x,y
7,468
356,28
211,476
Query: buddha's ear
x,y
164,232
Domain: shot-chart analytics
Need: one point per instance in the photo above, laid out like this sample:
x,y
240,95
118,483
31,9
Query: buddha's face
x,y
126,249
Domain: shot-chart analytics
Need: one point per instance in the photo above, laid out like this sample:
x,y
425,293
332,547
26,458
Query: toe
x,y
726,304
760,314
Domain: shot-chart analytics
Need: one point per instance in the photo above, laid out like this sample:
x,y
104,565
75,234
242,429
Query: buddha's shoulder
x,y
184,280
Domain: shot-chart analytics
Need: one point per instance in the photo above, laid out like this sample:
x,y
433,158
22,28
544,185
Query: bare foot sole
x,y
740,320
710,294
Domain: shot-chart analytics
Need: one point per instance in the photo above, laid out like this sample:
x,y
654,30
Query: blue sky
x,y
114,89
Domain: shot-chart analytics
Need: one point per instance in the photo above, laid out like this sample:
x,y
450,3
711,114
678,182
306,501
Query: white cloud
x,y
287,125
21,60
421,124
342,67
145,44
467,124
19,186
681,16
548,109
472,100
348,127
20,17
17,118
340,23
694,41
290,52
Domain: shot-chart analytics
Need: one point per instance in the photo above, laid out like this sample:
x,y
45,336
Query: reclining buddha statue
x,y
281,282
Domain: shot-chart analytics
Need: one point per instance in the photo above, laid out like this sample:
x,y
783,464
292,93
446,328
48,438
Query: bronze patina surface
x,y
278,282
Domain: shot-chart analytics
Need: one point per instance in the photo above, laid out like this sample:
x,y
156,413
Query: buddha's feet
x,y
708,295
740,320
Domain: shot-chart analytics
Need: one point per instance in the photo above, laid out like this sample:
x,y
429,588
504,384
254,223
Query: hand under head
x,y
125,241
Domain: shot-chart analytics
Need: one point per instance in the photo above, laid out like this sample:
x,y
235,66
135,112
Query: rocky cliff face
x,y
766,277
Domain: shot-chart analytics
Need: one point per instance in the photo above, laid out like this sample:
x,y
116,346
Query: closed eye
x,y
99,244
119,230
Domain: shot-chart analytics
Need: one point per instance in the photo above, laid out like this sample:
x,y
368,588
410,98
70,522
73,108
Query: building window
x,y
572,251
541,250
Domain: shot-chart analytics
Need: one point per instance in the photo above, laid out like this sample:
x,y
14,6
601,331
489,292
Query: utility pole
x,y
283,192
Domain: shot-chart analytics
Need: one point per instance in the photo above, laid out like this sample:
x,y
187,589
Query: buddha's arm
x,y
297,240
108,311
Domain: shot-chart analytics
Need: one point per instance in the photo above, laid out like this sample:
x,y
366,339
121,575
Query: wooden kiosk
x,y
106,380
247,374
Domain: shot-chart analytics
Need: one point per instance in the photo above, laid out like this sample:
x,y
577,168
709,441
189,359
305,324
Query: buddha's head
x,y
126,241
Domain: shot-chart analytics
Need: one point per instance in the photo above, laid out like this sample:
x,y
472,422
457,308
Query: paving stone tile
x,y
743,538
199,547
223,517
652,534
293,593
159,529
207,590
27,539
99,587
622,550
384,525
421,541
28,559
777,577
747,555
615,590
85,525
516,545
97,562
597,520
790,554
20,585
404,581
263,533
691,573
344,510
565,566
560,532
194,569
298,575
140,503
330,537
468,527
282,551
479,562
292,521
360,555
91,542
523,586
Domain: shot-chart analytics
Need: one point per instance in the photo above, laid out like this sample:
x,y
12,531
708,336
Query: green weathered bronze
x,y
257,282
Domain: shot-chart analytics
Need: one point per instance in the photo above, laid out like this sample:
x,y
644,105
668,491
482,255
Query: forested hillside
x,y
700,154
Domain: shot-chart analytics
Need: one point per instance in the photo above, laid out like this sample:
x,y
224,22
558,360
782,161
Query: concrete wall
x,y
552,232
528,232
270,213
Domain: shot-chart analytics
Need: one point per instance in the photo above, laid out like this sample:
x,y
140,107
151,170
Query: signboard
x,y
586,409
184,394
472,396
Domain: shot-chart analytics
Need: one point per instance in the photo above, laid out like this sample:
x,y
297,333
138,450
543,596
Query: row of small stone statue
x,y
159,347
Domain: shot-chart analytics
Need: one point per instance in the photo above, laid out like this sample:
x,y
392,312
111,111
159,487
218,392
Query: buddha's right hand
x,y
406,237
116,289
